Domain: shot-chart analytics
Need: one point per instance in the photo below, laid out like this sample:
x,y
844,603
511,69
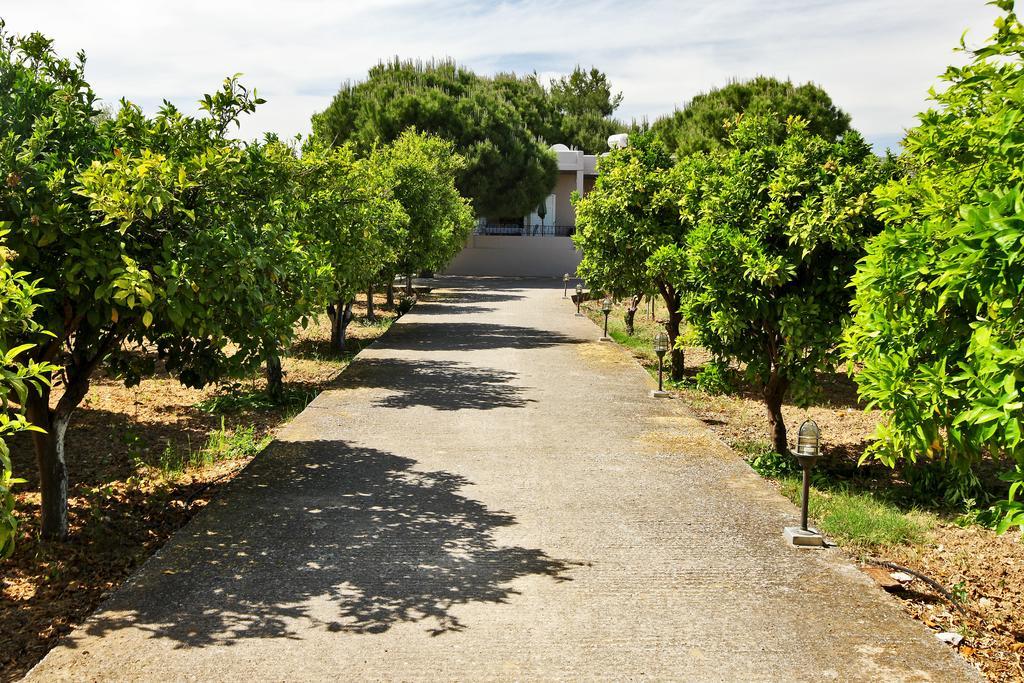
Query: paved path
x,y
491,494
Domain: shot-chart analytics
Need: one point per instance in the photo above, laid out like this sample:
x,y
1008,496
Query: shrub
x,y
939,305
782,220
766,461
717,378
405,304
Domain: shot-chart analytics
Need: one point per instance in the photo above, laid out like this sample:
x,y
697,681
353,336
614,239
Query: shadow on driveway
x,y
325,534
453,336
442,385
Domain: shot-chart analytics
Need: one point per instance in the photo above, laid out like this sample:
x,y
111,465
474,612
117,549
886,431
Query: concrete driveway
x,y
490,494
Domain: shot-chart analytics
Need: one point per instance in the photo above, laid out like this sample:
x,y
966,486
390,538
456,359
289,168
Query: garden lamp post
x,y
808,450
660,349
579,299
606,308
565,286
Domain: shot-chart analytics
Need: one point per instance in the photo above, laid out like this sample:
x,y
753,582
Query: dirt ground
x,y
971,562
124,502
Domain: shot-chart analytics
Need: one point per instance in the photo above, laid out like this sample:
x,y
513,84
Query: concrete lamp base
x,y
604,339
661,394
804,539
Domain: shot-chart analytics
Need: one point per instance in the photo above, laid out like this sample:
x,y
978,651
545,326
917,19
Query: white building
x,y
576,173
498,247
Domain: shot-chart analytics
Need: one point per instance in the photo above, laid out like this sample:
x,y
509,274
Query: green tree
x,y
422,170
208,224
584,104
534,104
699,125
18,375
48,132
507,171
353,226
622,224
783,217
285,282
939,306
144,233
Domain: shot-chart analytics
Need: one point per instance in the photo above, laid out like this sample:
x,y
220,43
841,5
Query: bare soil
x,y
123,505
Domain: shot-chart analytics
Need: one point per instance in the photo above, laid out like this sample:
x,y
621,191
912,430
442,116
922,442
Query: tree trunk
x,y
340,315
678,355
333,314
52,465
346,318
49,444
370,315
391,291
774,394
631,307
672,325
275,378
408,284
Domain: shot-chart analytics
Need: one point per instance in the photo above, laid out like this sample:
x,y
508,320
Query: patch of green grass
x,y
640,343
220,445
380,323
634,342
859,519
751,447
235,400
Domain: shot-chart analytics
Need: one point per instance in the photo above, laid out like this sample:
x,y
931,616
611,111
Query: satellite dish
x,y
618,141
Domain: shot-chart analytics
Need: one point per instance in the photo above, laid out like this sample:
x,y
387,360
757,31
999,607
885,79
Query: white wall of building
x,y
512,256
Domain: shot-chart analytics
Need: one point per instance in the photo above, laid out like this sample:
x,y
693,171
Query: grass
x,y
636,343
861,520
319,348
640,342
221,445
234,400
381,323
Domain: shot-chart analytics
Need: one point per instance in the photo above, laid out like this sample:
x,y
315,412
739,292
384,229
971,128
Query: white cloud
x,y
876,58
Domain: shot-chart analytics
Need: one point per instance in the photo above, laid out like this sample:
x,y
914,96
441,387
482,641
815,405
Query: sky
x,y
876,58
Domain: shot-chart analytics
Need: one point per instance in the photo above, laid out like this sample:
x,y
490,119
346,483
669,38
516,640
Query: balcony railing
x,y
517,230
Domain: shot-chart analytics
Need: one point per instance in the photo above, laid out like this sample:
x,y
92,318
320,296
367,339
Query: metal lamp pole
x,y
565,286
579,299
661,348
808,450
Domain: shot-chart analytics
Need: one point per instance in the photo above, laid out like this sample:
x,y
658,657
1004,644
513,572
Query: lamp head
x,y
808,441
660,344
